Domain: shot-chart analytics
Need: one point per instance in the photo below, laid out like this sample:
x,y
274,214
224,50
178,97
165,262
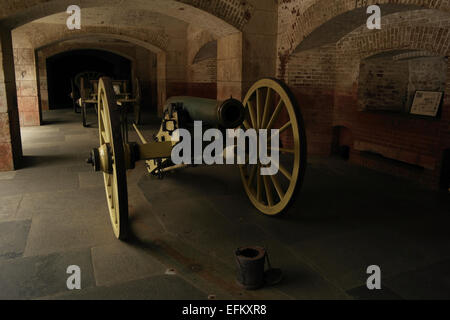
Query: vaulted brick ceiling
x,y
305,24
105,22
221,17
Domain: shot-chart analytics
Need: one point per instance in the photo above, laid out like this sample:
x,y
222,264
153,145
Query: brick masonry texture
x,y
343,83
350,88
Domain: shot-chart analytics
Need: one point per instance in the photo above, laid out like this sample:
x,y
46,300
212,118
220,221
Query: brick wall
x,y
426,74
396,143
331,83
383,84
311,77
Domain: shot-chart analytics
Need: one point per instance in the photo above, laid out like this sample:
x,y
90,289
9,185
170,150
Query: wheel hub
x,y
101,159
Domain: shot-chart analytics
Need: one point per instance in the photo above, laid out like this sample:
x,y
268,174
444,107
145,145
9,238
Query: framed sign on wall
x,y
427,103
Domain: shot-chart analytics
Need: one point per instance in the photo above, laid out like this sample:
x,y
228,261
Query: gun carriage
x,y
75,84
87,85
269,104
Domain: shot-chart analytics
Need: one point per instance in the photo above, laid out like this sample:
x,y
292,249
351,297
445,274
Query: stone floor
x,y
185,229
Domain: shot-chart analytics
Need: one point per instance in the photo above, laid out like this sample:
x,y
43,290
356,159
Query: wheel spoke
x,y
252,113
277,186
281,130
258,108
105,137
275,115
285,127
268,191
102,113
258,186
266,108
285,172
241,168
252,175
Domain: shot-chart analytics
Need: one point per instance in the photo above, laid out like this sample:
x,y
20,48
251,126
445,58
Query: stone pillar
x,y
171,76
43,87
176,68
27,87
161,81
229,67
243,58
259,44
10,141
146,73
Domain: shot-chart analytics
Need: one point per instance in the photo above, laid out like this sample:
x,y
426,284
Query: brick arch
x,y
51,51
45,37
228,16
433,39
207,51
41,36
330,20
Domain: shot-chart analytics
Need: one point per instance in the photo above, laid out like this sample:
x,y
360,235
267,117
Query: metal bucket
x,y
251,261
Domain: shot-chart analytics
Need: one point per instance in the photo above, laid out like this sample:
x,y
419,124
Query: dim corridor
x,y
185,229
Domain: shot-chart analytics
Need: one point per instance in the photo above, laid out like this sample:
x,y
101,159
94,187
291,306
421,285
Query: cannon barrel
x,y
226,114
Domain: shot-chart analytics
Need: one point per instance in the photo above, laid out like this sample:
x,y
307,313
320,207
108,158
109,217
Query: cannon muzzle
x,y
228,114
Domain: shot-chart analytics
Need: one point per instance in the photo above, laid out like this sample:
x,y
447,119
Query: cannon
x,y
87,82
76,86
269,104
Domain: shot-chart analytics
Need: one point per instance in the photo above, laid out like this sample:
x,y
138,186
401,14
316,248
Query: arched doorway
x,y
63,67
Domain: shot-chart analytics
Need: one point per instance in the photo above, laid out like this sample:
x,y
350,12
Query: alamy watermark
x,y
374,21
238,147
74,280
374,281
74,20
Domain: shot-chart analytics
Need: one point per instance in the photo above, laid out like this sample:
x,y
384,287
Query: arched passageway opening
x,y
63,67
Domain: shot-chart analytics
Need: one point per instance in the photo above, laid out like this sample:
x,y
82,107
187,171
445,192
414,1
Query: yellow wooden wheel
x,y
270,105
111,138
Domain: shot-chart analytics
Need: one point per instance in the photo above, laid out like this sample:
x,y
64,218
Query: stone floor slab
x,y
363,293
9,205
153,288
34,277
13,237
429,283
120,262
9,175
90,179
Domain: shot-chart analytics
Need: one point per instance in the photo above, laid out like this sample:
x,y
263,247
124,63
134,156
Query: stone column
x,y
27,87
229,67
243,58
259,44
161,81
10,141
43,88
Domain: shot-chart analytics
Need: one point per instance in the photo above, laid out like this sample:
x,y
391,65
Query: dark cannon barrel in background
x,y
228,114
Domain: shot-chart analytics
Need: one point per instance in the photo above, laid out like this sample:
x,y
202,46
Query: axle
x,y
101,158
